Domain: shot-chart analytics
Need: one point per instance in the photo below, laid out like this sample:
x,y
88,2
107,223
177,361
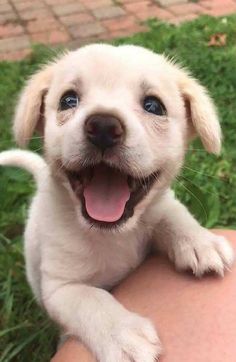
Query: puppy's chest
x,y
114,259
98,260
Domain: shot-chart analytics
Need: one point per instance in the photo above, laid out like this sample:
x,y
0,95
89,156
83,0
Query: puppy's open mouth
x,y
108,195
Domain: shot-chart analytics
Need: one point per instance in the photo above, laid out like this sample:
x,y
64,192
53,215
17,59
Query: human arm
x,y
196,318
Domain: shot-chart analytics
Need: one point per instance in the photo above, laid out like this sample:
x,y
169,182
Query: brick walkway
x,y
75,22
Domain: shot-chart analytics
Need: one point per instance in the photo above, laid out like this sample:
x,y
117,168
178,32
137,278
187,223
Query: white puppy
x,y
116,123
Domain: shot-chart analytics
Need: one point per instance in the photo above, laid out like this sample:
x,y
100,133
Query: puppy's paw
x,y
132,339
203,254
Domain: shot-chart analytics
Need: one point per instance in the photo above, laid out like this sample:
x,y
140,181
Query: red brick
x,y
215,3
29,5
9,30
6,17
127,32
80,18
17,55
26,5
36,26
59,37
166,3
14,44
153,11
58,2
129,1
180,19
77,43
51,37
144,10
34,14
138,6
87,30
185,9
67,9
18,1
124,22
4,8
95,4
221,11
218,7
108,12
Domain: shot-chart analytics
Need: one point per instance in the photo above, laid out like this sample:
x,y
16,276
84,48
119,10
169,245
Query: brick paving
x,y
76,22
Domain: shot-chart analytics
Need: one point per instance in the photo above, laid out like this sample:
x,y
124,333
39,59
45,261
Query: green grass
x,y
207,184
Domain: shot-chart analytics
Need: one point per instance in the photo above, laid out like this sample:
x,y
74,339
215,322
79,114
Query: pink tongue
x,y
106,194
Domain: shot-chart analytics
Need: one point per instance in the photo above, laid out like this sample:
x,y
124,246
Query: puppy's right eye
x,y
153,105
69,100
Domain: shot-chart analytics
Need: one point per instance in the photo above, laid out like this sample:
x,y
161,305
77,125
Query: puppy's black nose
x,y
104,131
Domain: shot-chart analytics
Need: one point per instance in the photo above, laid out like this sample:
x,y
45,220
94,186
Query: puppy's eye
x,y
69,100
153,105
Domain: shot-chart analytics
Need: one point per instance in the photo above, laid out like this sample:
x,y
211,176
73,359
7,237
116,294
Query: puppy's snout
x,y
104,131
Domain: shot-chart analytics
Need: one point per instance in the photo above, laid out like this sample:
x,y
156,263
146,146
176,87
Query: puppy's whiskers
x,y
35,138
189,191
203,173
193,183
140,176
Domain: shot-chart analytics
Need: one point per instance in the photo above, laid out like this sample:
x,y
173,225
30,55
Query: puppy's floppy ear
x,y
201,112
30,110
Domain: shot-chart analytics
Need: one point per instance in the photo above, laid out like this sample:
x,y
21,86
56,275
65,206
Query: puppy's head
x,y
116,122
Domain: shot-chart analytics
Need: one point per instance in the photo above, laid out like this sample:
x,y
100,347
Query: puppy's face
x,y
116,122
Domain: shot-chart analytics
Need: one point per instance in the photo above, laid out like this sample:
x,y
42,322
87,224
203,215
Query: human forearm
x,y
190,314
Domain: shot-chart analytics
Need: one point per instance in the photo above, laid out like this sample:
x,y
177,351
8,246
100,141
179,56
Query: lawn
x,y
207,184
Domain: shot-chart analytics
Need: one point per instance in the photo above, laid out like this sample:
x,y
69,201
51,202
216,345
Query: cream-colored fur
x,y
69,264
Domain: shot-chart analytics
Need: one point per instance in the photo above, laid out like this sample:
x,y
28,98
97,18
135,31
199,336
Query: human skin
x,y
195,318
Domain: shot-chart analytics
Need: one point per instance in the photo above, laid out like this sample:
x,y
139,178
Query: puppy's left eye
x,y
153,105
69,100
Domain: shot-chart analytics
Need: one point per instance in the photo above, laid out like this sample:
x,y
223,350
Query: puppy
x,y
116,122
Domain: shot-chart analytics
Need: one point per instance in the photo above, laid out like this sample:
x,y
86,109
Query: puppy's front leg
x,y
189,245
110,331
